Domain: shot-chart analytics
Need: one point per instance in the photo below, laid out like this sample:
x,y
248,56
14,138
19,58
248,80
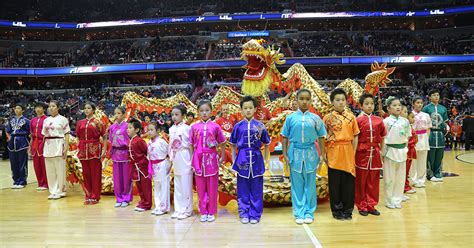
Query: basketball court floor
x,y
441,215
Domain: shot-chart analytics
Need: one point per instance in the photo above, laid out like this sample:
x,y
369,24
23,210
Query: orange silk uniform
x,y
341,129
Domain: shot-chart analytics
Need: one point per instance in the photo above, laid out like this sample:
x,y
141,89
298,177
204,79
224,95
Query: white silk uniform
x,y
183,174
54,130
418,167
158,151
394,171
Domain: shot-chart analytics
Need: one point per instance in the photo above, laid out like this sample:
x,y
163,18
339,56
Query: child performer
x,y
190,118
159,165
119,139
204,137
89,132
248,136
411,151
180,156
37,146
18,130
439,117
422,128
138,152
302,128
341,144
368,159
395,153
56,134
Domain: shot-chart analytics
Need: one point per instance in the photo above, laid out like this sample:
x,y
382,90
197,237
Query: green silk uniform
x,y
439,117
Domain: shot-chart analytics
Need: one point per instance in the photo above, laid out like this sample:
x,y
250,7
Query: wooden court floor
x,y
442,215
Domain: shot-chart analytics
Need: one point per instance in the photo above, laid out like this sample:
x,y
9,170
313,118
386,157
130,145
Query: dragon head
x,y
261,71
378,77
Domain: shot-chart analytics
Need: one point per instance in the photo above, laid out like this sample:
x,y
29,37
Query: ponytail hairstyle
x,y
204,102
416,98
181,109
390,99
91,104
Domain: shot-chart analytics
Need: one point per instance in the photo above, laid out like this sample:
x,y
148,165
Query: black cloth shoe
x,y
374,212
338,216
348,216
363,213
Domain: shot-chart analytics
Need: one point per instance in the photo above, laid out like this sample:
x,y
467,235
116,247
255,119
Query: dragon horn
x,y
374,66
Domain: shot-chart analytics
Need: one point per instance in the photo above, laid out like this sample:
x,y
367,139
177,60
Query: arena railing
x,y
120,88
231,64
240,17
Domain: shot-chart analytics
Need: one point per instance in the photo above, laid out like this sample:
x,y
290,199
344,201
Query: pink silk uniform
x,y
205,137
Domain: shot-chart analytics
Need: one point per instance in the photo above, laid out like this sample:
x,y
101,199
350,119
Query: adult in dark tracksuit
x,y
3,138
18,130
468,129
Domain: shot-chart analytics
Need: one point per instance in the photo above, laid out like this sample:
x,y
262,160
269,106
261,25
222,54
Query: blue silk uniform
x,y
19,130
302,130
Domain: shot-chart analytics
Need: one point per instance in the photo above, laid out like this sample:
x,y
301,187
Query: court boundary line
x,y
311,235
464,161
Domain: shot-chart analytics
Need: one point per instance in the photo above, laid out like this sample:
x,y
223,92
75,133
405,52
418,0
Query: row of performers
x,y
354,157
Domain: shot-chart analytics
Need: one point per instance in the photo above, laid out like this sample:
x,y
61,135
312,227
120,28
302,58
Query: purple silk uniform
x,y
121,168
248,136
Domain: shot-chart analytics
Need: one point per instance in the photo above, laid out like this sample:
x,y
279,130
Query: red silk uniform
x,y
37,141
411,145
89,132
138,151
262,114
144,127
372,133
37,146
227,124
410,156
368,161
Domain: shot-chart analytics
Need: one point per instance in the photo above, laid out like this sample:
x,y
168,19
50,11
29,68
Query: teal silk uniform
x,y
439,117
302,130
